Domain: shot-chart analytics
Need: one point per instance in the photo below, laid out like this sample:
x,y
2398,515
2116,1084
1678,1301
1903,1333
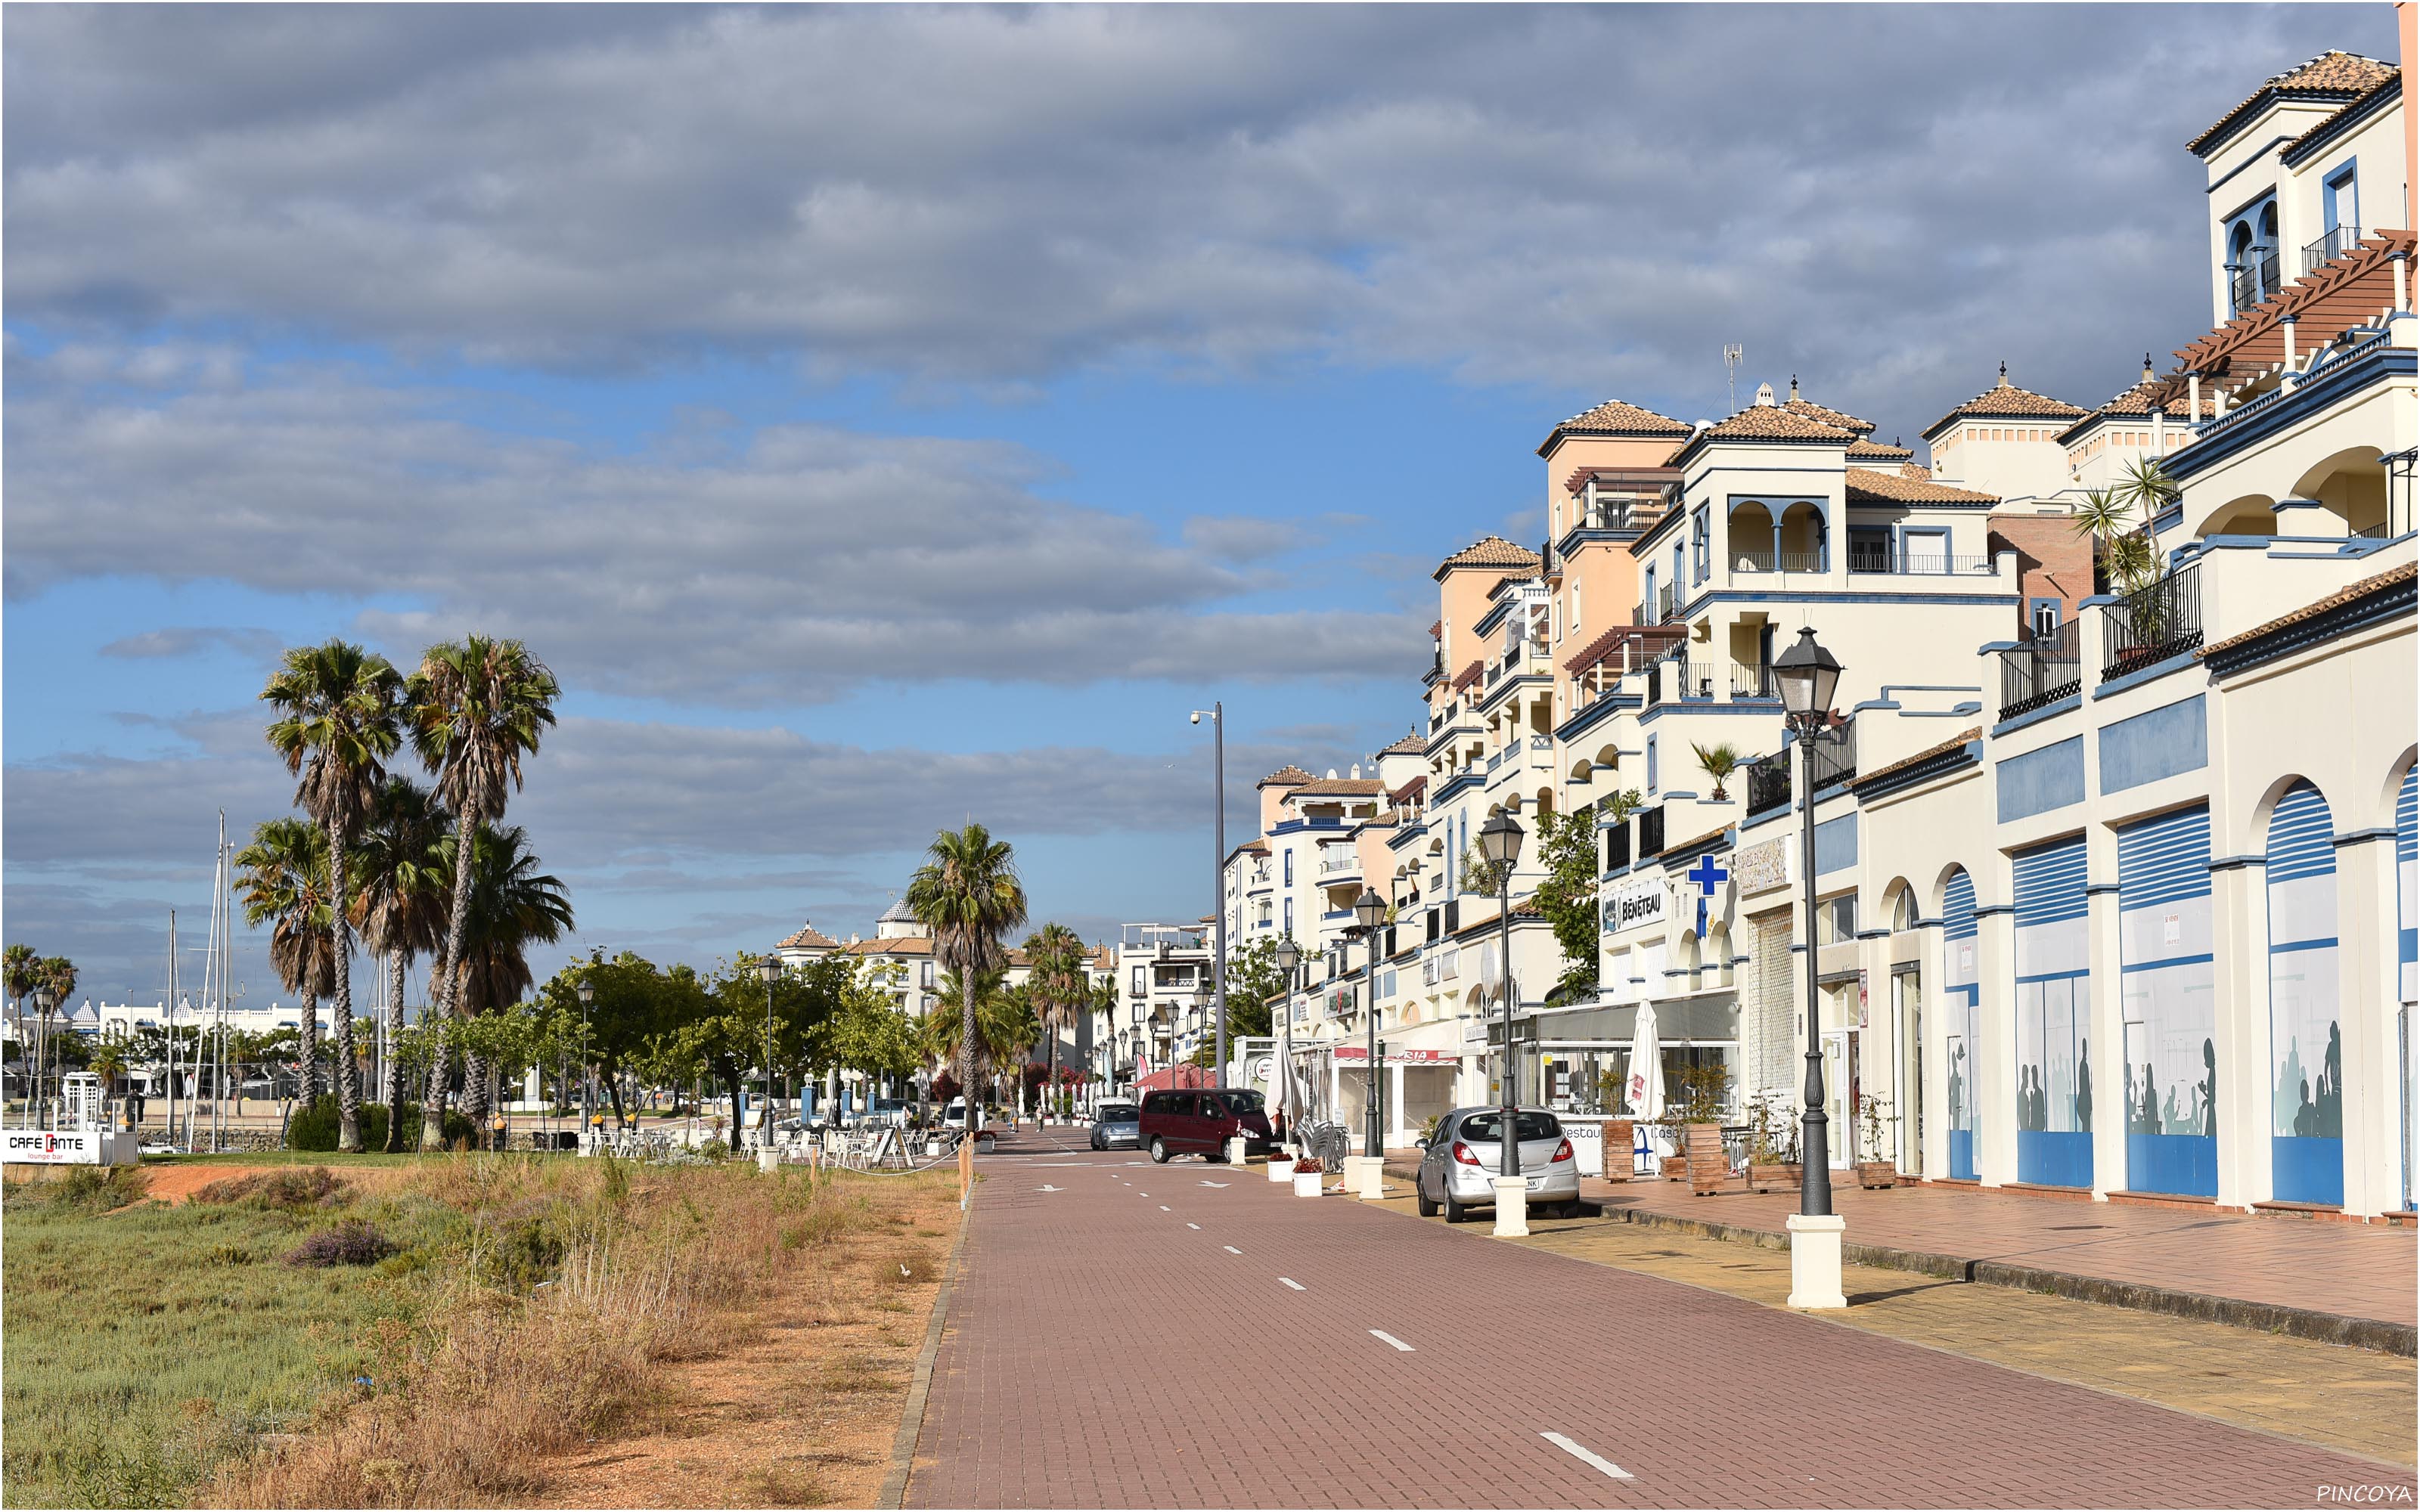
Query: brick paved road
x,y
1102,1351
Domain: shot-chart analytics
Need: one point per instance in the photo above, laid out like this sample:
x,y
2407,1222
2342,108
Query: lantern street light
x,y
1288,958
1369,914
770,969
587,1083
1808,676
1499,841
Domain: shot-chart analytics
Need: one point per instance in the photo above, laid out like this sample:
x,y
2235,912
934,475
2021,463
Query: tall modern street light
x,y
1808,677
587,1083
770,969
1368,912
1217,713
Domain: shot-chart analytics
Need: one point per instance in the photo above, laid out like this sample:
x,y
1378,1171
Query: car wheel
x,y
1159,1151
1455,1211
1421,1198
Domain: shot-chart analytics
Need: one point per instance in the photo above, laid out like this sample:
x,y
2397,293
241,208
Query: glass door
x,y
1907,996
1840,1093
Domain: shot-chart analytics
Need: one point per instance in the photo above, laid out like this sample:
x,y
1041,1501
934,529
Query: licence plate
x,y
1536,1181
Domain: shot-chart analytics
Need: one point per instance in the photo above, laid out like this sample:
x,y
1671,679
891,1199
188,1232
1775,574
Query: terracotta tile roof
x,y
1284,777
1341,787
2006,401
897,945
2169,393
1253,847
2332,75
1876,450
1709,836
1437,629
1972,732
1409,791
2388,82
1414,744
2354,289
1825,415
1917,471
1615,418
808,938
1868,487
1469,674
1489,551
2346,594
1772,423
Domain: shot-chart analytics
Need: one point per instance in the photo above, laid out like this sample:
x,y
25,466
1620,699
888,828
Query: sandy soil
x,y
177,1184
803,1409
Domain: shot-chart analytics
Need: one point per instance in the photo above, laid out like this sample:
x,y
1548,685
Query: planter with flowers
x,y
1307,1176
1280,1166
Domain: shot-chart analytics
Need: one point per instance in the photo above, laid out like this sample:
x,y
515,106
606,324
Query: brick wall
x,y
2053,562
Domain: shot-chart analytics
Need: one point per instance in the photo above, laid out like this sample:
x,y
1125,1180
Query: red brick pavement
x,y
2350,1270
1100,1353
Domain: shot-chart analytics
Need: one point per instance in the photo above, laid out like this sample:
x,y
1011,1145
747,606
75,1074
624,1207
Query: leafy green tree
x,y
968,895
634,1003
340,712
1567,848
476,708
1252,980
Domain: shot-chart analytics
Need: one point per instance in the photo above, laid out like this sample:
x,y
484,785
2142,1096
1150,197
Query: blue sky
x,y
882,417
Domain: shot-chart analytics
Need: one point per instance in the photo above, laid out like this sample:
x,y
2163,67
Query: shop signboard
x,y
59,1147
1355,1054
1636,904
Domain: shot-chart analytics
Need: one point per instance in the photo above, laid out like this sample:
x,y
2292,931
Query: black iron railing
x,y
1617,847
2041,672
2338,241
1768,560
1753,683
2153,623
1768,783
1650,832
1835,754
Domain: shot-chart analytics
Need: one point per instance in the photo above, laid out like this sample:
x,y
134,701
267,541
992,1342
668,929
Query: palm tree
x,y
478,706
2115,517
399,892
17,966
1717,761
340,712
1057,954
283,877
55,975
967,894
513,907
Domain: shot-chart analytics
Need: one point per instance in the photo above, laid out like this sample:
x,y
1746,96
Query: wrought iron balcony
x,y
2336,244
2041,672
1768,560
1768,783
2153,623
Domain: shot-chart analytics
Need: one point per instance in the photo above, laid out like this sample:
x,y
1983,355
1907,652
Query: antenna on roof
x,y
1732,352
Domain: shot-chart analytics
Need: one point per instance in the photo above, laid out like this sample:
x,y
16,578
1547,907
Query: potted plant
x,y
1717,761
1280,1166
1875,1168
1698,1096
1307,1176
1772,1142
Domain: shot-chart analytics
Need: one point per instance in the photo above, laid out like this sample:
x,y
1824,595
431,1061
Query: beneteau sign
x,y
1634,904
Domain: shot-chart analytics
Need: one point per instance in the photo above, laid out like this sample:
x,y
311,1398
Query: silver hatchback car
x,y
1117,1126
1460,1163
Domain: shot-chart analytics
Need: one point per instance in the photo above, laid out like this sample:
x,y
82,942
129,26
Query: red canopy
x,y
1173,1077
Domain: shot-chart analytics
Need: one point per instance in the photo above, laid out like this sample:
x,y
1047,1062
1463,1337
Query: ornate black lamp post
x,y
770,969
587,995
1499,841
1809,675
1288,957
1369,914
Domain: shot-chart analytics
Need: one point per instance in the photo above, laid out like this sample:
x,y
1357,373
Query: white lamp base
x,y
1511,1207
1235,1151
1365,1177
1815,1261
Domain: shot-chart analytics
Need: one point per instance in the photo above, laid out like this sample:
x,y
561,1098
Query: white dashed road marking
x,y
1291,1282
1192,1226
1163,1207
1048,1187
1382,1335
1231,1249
1589,1457
1213,1184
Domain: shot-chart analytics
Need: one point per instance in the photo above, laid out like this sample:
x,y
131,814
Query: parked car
x,y
1201,1122
953,1118
1117,1126
1460,1163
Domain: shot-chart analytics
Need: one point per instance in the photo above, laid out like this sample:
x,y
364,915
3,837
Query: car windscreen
x,y
1243,1103
1120,1113
1488,1127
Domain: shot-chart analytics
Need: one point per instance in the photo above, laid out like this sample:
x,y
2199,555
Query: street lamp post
x,y
1368,912
1499,841
587,1083
1217,713
770,969
1808,676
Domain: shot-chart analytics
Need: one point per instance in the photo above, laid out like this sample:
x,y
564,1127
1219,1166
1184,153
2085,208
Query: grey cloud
x,y
782,568
195,639
1573,198
1242,539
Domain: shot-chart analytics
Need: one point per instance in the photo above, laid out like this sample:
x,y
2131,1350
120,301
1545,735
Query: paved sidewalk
x,y
1125,1335
2353,1283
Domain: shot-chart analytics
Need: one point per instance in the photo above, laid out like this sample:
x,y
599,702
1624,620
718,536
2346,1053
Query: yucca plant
x,y
1718,762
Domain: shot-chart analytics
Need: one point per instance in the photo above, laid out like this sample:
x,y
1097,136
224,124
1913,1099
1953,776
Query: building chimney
x,y
1765,396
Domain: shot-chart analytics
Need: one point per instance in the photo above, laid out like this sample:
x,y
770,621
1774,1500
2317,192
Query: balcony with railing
x,y
1651,833
2153,623
2038,672
2327,248
1836,755
1765,558
1340,862
1768,783
2251,281
1915,562
1679,680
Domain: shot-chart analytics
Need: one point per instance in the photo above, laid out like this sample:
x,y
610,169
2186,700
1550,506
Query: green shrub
x,y
98,1188
315,1128
350,1243
291,1190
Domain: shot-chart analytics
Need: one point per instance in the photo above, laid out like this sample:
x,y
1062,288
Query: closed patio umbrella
x,y
1646,1071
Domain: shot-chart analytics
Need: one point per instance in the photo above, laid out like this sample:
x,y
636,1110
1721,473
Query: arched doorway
x,y
2305,1039
1960,1000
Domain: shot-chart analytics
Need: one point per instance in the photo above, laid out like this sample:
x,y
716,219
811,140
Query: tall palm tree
x,y
340,713
397,900
967,895
478,706
57,975
283,878
17,967
1056,953
513,907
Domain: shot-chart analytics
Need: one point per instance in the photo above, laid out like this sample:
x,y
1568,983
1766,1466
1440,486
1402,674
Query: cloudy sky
x,y
882,417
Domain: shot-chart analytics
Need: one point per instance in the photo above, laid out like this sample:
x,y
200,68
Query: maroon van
x,y
1201,1121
